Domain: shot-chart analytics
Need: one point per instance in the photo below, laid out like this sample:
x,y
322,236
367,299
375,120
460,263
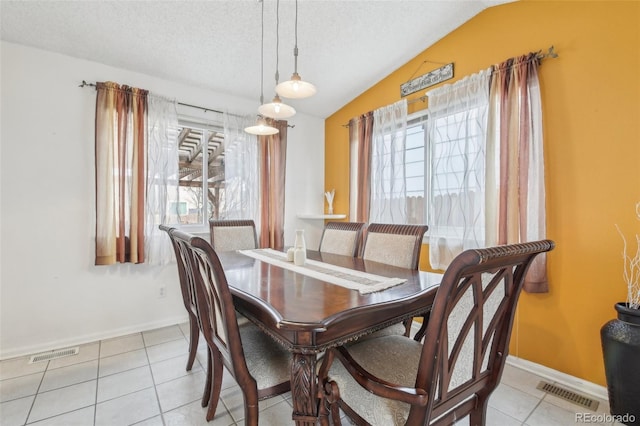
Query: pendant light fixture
x,y
276,109
296,88
261,127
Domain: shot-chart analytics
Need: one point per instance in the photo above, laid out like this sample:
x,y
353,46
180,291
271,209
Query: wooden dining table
x,y
308,315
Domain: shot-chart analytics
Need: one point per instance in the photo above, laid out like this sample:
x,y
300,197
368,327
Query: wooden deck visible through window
x,y
196,165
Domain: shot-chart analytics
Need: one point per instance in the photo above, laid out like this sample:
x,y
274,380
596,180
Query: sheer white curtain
x,y
162,176
388,177
241,193
456,134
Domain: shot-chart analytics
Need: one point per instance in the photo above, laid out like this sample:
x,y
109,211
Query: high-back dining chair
x,y
233,234
188,297
260,366
461,361
393,244
397,245
341,238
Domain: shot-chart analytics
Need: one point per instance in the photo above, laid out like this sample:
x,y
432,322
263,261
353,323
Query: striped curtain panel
x,y
272,154
361,140
515,140
121,115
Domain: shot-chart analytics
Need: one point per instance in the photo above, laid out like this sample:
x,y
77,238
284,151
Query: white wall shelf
x,y
321,216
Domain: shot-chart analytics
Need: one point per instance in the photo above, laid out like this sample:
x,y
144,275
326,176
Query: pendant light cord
x,y
277,40
295,48
262,55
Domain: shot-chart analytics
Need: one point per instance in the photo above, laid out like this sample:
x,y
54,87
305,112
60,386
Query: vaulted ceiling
x,y
345,46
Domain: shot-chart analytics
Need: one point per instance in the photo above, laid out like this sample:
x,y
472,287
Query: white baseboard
x,y
575,383
89,338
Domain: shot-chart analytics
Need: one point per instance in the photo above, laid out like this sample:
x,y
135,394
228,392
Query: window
x,y
416,170
458,174
200,194
415,174
447,168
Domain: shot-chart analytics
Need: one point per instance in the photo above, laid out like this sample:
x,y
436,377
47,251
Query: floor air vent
x,y
60,353
568,395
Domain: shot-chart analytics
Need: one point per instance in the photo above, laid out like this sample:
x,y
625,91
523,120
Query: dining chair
x,y
233,234
341,238
461,361
188,297
260,366
396,245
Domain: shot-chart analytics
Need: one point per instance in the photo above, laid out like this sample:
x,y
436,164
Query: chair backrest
x,y
397,245
187,287
467,338
216,313
231,235
341,238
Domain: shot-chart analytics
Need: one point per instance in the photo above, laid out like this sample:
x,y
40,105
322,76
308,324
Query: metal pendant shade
x,y
261,127
276,109
296,87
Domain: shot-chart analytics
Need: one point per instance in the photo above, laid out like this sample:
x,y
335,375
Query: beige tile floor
x,y
141,379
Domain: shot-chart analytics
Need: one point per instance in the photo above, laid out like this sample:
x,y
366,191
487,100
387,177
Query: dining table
x,y
329,301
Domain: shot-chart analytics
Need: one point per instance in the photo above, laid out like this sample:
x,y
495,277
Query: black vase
x,y
621,351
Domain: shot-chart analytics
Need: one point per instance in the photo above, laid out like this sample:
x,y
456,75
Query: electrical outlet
x,y
162,291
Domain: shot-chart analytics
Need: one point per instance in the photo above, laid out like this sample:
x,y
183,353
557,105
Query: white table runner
x,y
345,277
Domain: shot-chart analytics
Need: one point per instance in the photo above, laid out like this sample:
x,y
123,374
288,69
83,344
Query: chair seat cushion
x,y
268,362
373,355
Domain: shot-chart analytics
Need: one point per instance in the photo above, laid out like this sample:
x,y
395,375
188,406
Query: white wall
x,y
51,294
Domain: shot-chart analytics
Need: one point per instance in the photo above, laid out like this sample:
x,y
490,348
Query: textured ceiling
x,y
345,46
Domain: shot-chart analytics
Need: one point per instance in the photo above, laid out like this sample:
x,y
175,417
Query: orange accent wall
x,y
591,110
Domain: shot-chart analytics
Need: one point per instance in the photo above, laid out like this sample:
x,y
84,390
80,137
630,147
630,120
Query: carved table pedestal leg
x,y
304,388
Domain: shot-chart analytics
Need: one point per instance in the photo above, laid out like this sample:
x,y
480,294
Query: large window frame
x,y
416,144
419,168
210,174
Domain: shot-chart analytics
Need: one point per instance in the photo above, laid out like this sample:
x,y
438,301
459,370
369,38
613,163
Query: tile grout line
x,y
532,411
95,406
35,396
153,380
120,372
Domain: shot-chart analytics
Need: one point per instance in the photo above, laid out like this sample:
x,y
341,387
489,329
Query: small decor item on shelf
x,y
329,195
291,254
300,246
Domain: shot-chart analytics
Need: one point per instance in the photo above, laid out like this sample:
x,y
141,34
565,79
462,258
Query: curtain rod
x,y
551,53
84,84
